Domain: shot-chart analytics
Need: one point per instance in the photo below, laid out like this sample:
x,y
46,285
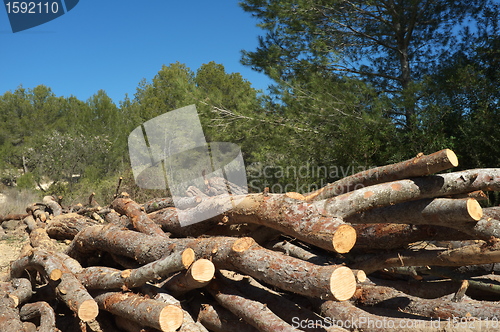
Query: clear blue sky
x,y
113,44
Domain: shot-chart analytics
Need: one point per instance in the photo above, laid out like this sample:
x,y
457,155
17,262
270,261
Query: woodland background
x,y
356,84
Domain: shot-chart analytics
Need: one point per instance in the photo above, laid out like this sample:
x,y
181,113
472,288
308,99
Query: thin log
x,y
42,310
438,211
148,312
217,318
199,274
99,277
253,312
288,273
469,255
38,211
169,222
9,315
396,192
138,217
419,166
68,288
30,222
181,203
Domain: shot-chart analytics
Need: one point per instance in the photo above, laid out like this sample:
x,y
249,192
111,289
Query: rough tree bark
x,y
138,217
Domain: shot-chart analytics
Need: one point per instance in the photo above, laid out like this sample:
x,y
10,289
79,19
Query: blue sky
x,y
113,44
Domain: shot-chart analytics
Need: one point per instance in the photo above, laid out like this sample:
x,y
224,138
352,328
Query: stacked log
x,y
398,247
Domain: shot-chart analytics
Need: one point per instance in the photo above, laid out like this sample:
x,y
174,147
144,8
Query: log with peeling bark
x,y
148,312
419,166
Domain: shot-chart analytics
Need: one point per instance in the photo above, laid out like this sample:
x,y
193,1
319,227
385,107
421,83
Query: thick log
x,y
22,291
253,312
199,274
419,166
442,308
138,217
439,211
492,212
66,226
68,288
288,273
301,220
396,192
469,255
169,222
99,277
158,294
31,223
9,315
42,310
217,318
148,312
287,310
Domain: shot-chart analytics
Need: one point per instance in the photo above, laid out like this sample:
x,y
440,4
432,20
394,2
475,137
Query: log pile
x,y
394,248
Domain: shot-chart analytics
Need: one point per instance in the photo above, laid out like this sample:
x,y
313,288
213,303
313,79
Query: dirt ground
x,y
11,242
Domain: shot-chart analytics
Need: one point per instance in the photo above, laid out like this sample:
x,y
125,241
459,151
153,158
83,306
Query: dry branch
x,y
42,310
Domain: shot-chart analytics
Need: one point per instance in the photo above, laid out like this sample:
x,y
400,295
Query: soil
x,y
11,242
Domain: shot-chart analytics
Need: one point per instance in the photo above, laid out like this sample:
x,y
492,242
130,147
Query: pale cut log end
x,y
15,299
202,270
474,208
243,244
344,239
55,275
294,195
188,257
360,275
171,318
88,310
342,283
452,157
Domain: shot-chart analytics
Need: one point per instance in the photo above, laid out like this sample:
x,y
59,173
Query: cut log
x,y
68,288
53,205
138,217
418,166
396,192
199,274
244,255
66,226
22,291
438,211
99,277
217,318
13,216
469,255
42,310
442,308
148,312
181,203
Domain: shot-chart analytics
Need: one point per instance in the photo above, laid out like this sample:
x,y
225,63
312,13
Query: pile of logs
x,y
394,248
